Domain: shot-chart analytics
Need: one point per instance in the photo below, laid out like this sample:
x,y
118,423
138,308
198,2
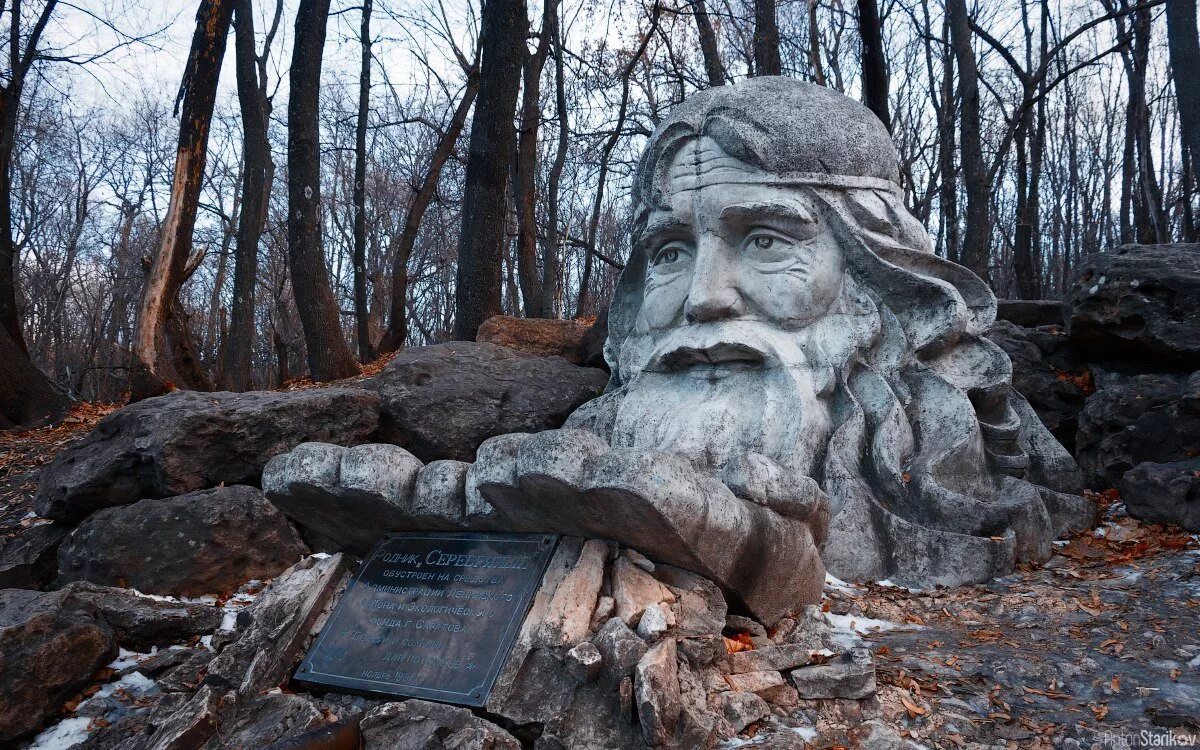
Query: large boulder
x,y
141,622
206,542
1030,313
1142,418
1164,492
1049,373
187,441
1138,302
50,646
441,402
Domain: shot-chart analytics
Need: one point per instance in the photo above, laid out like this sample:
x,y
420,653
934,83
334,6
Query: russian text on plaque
x,y
430,615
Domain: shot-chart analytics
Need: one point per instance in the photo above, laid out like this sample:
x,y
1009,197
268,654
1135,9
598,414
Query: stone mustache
x,y
798,382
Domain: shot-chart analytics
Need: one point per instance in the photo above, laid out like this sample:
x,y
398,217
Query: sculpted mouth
x,y
725,356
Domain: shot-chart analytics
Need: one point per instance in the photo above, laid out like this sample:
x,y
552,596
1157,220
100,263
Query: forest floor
x,y
1100,646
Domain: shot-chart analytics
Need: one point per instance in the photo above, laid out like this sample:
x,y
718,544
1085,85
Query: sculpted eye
x,y
763,242
670,253
767,242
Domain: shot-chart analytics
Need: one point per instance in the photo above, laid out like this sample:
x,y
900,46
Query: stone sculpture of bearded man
x,y
798,383
781,302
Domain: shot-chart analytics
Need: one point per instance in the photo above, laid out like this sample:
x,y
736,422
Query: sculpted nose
x,y
713,295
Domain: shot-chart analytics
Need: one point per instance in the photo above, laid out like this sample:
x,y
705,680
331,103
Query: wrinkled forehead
x,y
701,162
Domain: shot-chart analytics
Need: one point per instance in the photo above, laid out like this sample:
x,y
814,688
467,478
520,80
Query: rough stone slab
x,y
186,441
274,631
50,646
540,337
140,622
768,685
569,612
29,558
1030,313
584,662
205,542
655,621
423,725
777,658
851,677
634,590
186,722
656,687
443,401
699,608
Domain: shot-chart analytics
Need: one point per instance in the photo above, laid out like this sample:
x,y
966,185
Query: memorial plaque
x,y
430,615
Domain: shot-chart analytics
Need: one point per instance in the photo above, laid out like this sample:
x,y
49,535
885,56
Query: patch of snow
x,y
206,641
126,658
862,625
840,585
63,735
1194,662
134,683
320,555
808,734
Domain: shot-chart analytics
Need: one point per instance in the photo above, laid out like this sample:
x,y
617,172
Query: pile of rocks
x,y
1117,378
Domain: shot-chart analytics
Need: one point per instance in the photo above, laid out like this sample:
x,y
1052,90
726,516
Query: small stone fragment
x,y
741,709
424,724
851,677
638,559
768,685
777,658
655,621
703,650
606,606
584,662
29,559
620,649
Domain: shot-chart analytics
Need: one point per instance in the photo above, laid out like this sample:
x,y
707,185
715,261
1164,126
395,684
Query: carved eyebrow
x,y
662,225
751,212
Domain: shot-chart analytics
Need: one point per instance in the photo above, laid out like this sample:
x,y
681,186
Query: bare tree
x,y
329,357
713,67
1185,65
974,254
362,315
480,245
162,350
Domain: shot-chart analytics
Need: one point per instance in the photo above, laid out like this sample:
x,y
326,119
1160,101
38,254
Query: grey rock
x,y
422,725
443,401
50,646
635,590
29,558
354,496
699,607
1030,313
140,622
188,674
205,542
569,613
187,441
620,648
655,621
767,684
1144,418
874,734
656,688
741,709
851,677
1138,302
184,722
260,721
702,651
1168,493
161,662
274,631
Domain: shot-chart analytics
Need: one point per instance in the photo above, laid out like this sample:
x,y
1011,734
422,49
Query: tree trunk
x,y
550,259
397,331
948,188
1153,218
154,368
480,248
713,67
362,314
26,395
329,358
19,62
1184,47
257,175
875,76
814,45
525,174
974,253
766,39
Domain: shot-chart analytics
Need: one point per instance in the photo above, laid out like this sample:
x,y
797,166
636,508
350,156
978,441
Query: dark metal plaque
x,y
430,615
